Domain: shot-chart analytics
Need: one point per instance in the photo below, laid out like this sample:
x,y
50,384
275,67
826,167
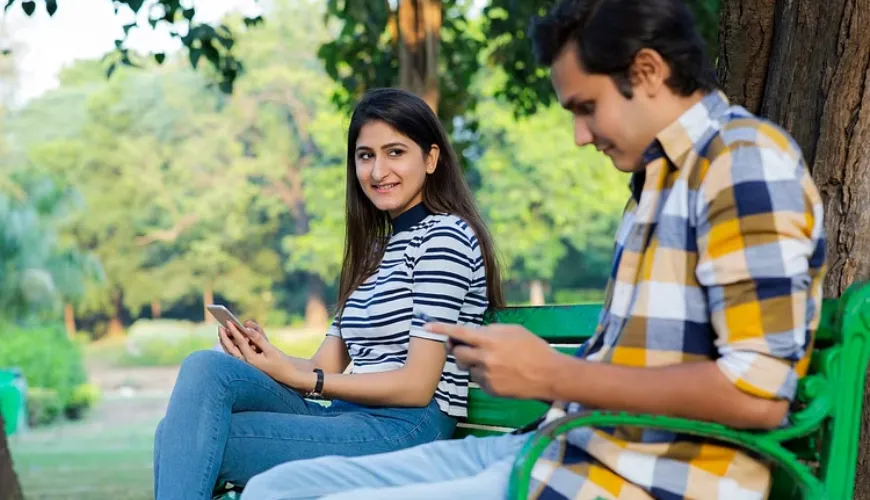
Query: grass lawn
x,y
94,459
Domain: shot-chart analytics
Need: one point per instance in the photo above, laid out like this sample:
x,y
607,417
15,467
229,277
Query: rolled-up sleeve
x,y
755,226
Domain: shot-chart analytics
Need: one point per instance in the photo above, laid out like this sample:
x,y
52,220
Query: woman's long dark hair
x,y
444,191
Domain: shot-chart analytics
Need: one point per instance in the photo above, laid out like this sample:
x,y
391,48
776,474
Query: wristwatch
x,y
317,393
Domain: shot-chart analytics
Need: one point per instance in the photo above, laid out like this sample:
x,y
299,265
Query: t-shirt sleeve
x,y
442,274
334,330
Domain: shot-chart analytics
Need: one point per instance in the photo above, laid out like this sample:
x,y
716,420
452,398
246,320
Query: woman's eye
x,y
396,152
364,156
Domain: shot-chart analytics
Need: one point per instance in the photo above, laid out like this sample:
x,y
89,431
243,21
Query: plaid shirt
x,y
720,256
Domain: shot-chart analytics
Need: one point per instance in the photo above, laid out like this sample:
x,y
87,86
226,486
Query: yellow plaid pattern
x,y
720,256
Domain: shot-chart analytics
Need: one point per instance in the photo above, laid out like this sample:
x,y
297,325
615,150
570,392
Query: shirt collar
x,y
409,218
678,138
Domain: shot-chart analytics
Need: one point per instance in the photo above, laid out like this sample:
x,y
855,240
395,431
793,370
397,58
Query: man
x,y
711,308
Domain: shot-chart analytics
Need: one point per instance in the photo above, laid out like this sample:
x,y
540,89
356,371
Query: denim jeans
x,y
473,468
228,421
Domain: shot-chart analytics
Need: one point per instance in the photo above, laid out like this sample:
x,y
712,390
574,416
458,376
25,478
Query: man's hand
x,y
256,349
506,360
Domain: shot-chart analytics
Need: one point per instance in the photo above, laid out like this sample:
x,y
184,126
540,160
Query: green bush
x,y
168,342
84,397
43,406
49,360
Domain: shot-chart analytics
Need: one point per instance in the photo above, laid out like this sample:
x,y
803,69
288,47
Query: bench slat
x,y
556,324
484,409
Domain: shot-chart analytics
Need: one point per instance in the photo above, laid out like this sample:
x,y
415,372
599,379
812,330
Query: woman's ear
x,y
432,159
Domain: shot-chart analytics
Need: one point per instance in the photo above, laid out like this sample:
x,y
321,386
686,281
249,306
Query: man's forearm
x,y
697,391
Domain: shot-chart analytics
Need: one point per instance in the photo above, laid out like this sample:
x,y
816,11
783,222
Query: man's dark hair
x,y
610,33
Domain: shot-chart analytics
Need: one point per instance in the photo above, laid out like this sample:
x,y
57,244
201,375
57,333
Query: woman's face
x,y
391,168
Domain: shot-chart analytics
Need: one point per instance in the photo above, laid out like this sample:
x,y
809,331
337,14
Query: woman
x,y
416,248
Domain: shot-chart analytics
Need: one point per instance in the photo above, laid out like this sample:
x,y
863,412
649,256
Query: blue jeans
x,y
228,421
476,468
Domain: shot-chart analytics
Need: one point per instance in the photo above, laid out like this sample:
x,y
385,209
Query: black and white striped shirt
x,y
432,265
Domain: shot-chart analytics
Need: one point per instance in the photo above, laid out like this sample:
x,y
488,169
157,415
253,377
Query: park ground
x,y
107,455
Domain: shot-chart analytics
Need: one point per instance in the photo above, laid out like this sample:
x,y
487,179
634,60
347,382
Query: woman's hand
x,y
253,347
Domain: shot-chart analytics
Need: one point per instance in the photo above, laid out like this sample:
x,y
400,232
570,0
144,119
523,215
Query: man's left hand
x,y
506,360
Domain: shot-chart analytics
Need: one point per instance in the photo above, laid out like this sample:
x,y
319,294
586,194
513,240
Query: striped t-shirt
x,y
432,265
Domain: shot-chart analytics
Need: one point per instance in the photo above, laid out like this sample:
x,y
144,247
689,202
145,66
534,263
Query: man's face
x,y
617,126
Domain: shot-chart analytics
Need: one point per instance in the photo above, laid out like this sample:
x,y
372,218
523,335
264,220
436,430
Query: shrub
x,y
43,406
168,342
84,397
51,363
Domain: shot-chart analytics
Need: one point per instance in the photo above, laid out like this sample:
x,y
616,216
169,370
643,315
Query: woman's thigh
x,y
259,441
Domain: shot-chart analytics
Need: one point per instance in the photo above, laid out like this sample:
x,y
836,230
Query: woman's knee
x,y
204,366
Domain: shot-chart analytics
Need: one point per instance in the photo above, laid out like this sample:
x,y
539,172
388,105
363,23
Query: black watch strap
x,y
318,386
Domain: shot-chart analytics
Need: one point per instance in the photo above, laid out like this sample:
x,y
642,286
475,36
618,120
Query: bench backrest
x,y
826,427
564,327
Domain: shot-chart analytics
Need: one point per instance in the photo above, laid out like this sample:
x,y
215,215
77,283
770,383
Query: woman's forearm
x,y
390,388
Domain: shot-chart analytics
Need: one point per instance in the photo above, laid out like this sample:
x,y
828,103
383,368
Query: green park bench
x,y
814,457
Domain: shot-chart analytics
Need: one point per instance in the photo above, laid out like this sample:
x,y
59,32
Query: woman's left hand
x,y
259,352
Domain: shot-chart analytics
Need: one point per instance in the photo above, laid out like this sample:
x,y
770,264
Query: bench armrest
x,y
757,442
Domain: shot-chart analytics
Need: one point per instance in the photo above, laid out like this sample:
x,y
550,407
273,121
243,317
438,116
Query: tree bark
x,y
207,299
156,311
116,326
316,314
420,40
536,293
69,320
814,61
9,487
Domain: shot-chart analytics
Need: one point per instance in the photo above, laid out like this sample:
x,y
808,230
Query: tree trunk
x,y
420,38
805,65
116,326
156,311
536,293
316,315
207,299
69,320
9,488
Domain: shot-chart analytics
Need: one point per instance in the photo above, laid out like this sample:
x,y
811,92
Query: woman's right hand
x,y
230,347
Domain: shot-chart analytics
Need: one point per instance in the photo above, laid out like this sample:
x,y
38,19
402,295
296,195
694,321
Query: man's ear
x,y
432,159
649,72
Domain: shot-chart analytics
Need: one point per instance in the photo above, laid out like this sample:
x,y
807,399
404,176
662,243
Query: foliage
x,y
540,193
43,406
38,268
364,54
203,40
84,397
168,342
51,363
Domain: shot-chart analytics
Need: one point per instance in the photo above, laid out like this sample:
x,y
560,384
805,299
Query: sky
x,y
85,29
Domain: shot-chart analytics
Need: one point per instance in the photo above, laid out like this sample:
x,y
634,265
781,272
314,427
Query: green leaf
x,y
189,13
160,57
135,5
194,55
8,4
253,21
112,68
128,27
51,7
29,7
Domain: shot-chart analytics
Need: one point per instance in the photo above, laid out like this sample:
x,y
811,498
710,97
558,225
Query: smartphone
x,y
224,317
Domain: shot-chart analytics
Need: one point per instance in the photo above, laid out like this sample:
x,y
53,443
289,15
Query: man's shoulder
x,y
738,129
